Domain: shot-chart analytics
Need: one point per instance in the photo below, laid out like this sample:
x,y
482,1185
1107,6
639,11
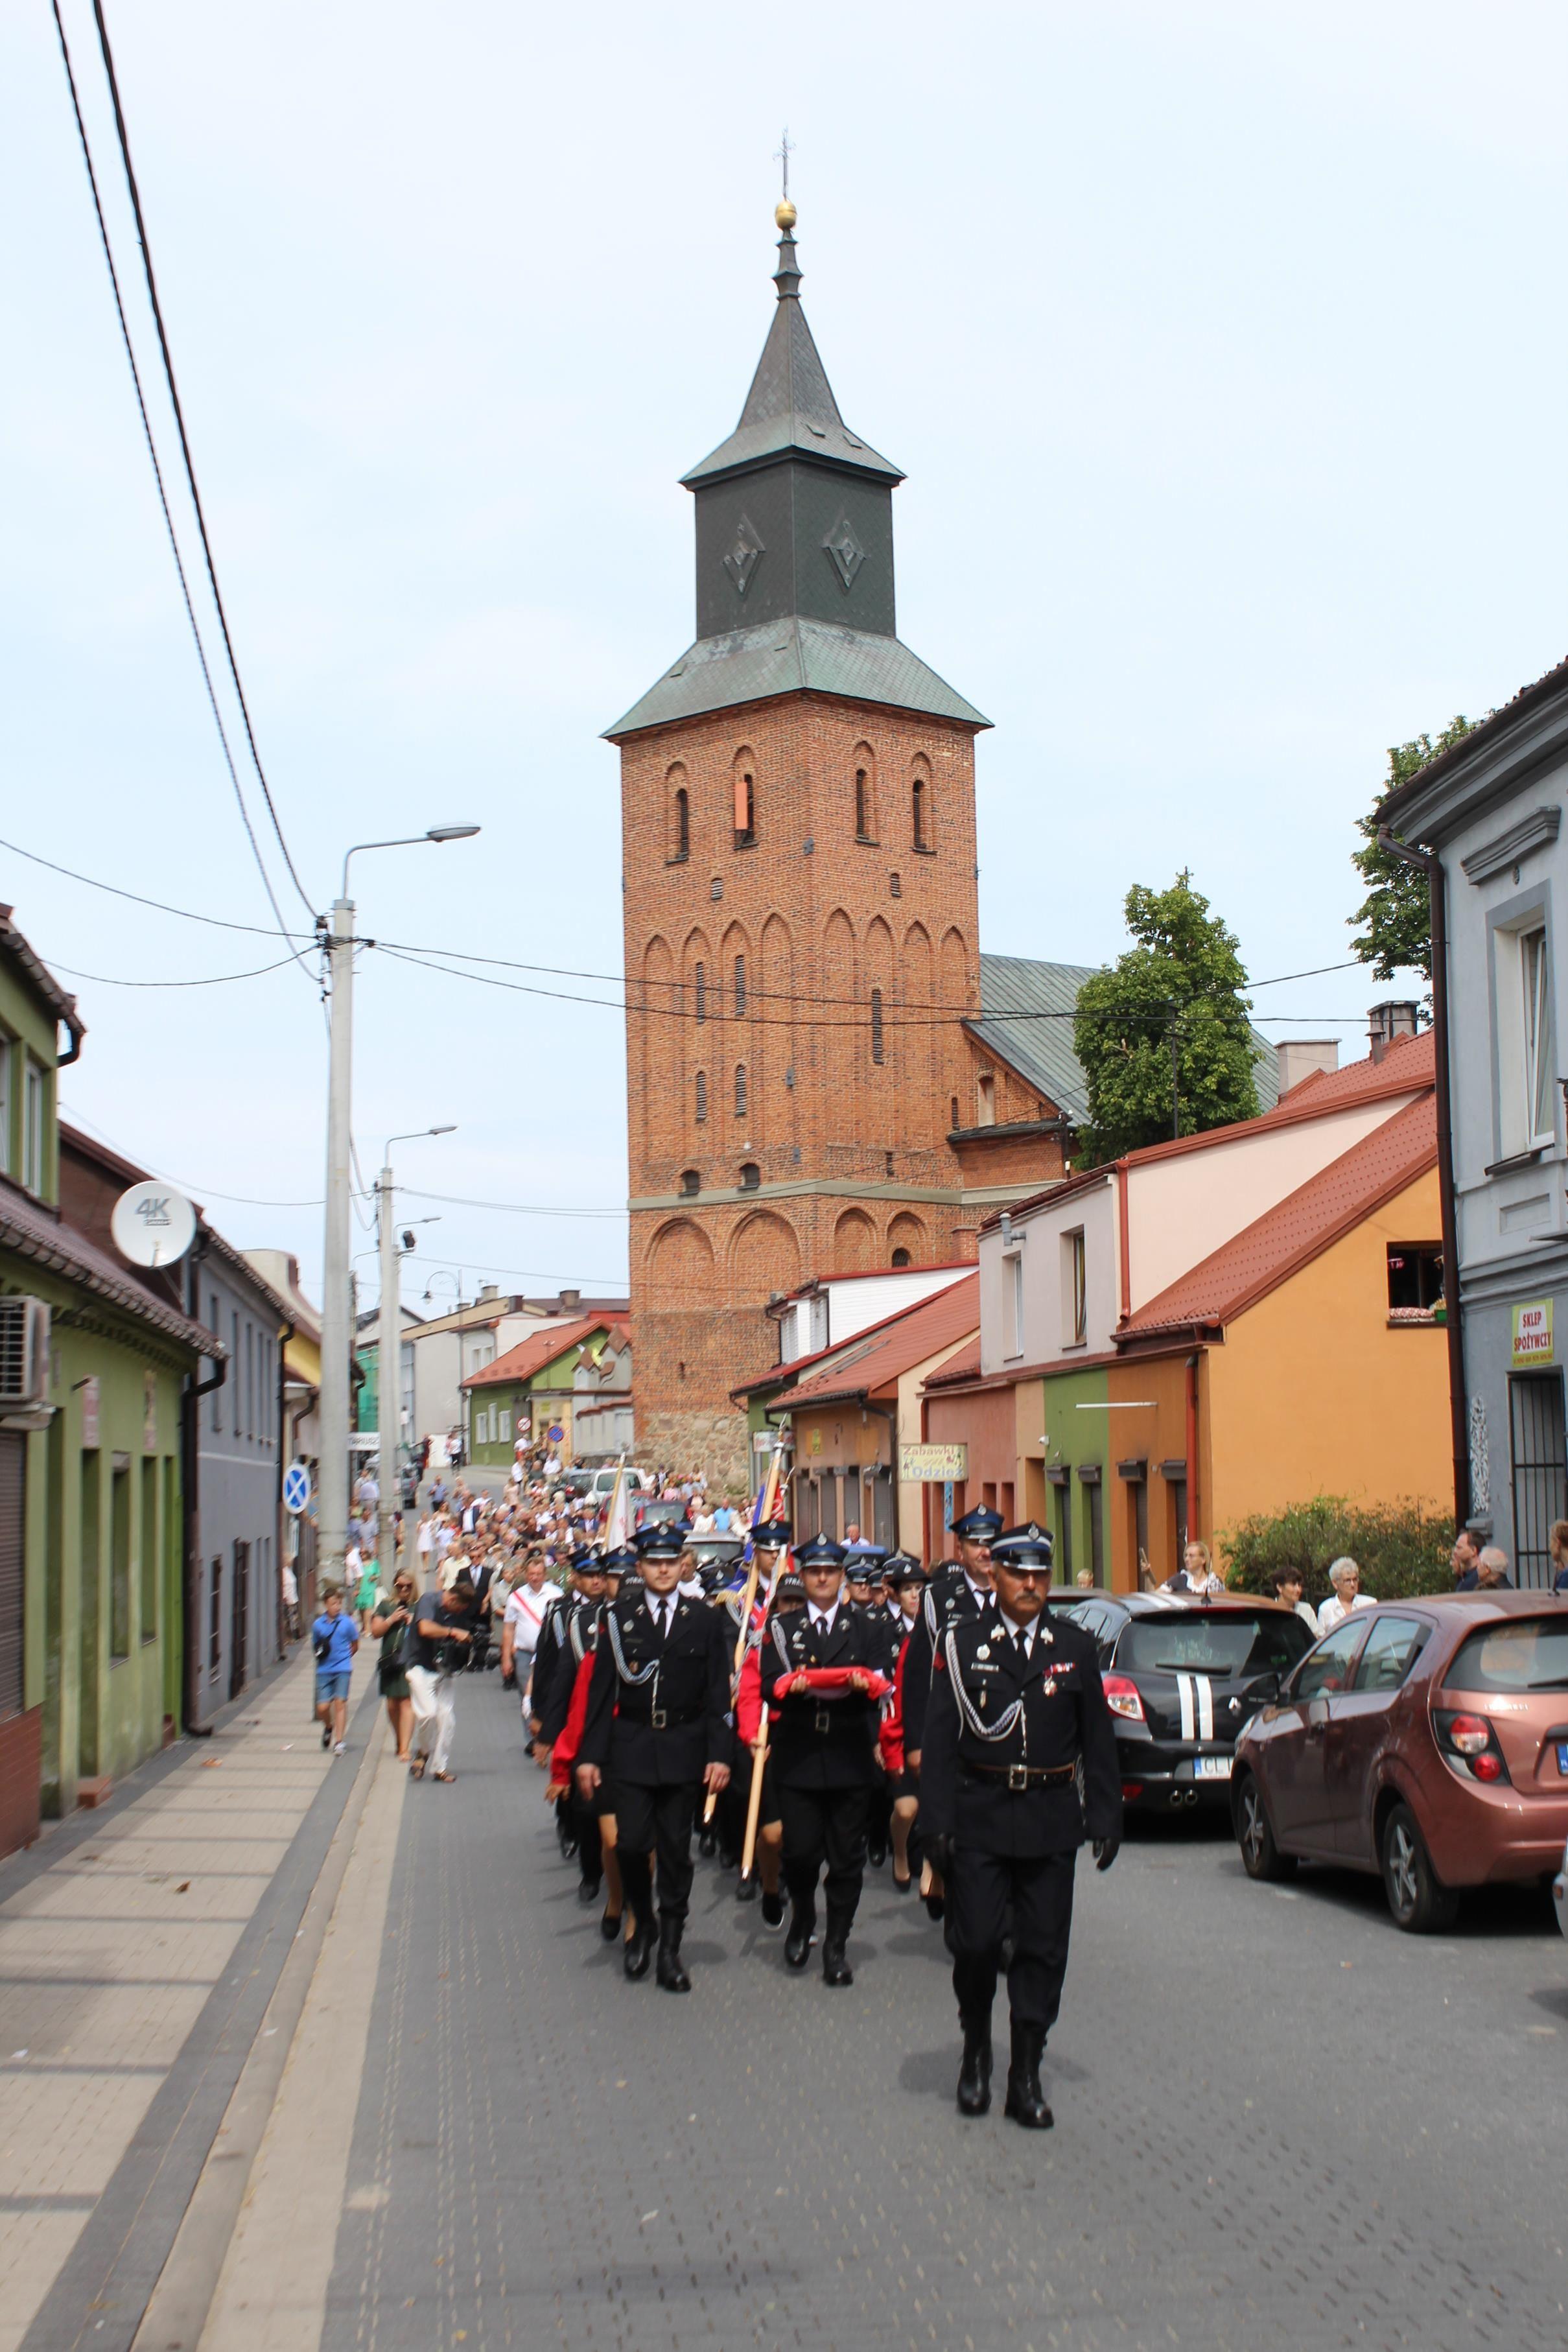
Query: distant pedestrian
x,y
335,1638
1560,1555
1492,1571
1464,1560
436,1652
390,1625
1195,1576
1345,1578
1289,1587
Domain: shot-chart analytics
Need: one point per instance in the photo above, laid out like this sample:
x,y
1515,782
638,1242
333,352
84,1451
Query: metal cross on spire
x,y
782,155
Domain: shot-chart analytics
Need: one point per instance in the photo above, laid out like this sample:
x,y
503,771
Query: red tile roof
x,y
1407,1064
541,1347
964,1366
1299,1228
874,1360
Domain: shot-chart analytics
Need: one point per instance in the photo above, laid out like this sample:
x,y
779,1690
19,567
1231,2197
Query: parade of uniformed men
x,y
807,1712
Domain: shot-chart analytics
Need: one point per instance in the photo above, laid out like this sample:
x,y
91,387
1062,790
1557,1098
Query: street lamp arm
x,y
437,833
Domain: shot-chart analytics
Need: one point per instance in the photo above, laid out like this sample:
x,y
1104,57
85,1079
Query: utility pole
x,y
389,1348
336,1312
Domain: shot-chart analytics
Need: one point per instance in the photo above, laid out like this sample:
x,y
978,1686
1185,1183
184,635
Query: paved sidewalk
x,y
133,1967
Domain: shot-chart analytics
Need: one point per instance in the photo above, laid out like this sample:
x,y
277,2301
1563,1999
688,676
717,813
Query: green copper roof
x,y
1025,1018
786,657
791,405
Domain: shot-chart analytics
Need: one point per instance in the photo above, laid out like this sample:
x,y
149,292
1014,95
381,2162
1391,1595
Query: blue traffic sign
x,y
296,1487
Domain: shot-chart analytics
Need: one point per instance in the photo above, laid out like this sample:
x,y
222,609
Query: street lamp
x,y
389,1345
336,1333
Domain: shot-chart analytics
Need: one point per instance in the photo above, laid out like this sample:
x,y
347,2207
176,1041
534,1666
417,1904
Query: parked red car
x,y
1424,1739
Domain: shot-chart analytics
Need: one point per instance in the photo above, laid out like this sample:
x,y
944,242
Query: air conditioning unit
x,y
24,1353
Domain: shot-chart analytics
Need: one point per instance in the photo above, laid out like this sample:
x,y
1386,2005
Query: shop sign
x,y
933,1464
1532,1342
89,1411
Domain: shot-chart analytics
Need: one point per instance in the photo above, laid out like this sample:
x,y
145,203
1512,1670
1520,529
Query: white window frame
x,y
1074,1289
1012,1305
1526,1035
35,1122
7,1065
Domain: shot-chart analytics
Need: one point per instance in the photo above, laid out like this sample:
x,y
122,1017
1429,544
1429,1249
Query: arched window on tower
x,y
876,1038
862,805
901,1258
680,831
921,811
702,991
740,988
741,1089
691,1182
744,812
702,1096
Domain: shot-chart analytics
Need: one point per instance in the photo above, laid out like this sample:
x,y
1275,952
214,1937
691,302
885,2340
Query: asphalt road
x,y
1279,2121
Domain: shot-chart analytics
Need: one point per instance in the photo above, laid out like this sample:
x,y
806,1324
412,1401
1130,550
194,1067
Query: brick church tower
x,y
801,933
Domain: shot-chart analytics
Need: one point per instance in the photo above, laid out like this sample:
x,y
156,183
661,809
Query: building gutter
x,y
1193,1522
190,1484
1431,864
284,1337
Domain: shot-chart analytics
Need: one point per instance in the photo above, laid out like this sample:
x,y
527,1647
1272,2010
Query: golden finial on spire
x,y
785,215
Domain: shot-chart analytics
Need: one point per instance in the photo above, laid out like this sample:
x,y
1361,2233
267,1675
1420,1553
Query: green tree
x,y
1183,981
1396,912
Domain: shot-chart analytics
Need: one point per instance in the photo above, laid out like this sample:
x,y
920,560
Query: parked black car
x,y
1182,1678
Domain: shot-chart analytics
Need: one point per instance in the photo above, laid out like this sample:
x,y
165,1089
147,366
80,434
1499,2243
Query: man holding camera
x,y
436,1651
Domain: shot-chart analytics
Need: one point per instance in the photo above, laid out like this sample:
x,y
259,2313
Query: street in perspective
x,y
946,1726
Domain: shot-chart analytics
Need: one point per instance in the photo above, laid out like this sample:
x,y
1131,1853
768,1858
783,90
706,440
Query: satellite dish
x,y
153,1224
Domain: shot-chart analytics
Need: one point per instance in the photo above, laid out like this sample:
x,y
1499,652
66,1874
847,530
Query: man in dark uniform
x,y
1017,1721
771,1549
818,1671
957,1597
657,1728
586,1584
596,1578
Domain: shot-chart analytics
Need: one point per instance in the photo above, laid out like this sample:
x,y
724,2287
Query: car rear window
x,y
1521,1654
1232,1643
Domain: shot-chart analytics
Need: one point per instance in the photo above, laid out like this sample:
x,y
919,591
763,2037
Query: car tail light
x,y
1121,1699
1469,1745
1131,1790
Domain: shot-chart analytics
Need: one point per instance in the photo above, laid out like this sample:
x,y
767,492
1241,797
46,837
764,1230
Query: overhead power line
x,y
211,980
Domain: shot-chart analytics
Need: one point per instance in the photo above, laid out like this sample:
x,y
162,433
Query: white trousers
x,y
435,1715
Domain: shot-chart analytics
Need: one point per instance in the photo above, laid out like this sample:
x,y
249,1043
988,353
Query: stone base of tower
x,y
704,1438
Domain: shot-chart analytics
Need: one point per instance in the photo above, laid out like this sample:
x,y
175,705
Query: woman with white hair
x,y
1345,1578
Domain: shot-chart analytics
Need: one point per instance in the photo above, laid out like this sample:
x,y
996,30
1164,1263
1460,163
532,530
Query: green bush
x,y
1400,1547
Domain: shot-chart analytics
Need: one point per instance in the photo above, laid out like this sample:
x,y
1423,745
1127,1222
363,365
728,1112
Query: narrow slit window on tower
x,y
741,1089
702,1096
744,812
953,1120
691,1184
862,805
682,841
740,988
751,1176
876,1039
702,991
917,797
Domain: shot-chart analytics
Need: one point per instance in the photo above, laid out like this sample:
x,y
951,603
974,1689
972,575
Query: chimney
x,y
570,1301
489,1291
1298,1057
1387,1023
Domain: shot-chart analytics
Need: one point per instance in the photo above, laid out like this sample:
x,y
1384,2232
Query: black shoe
x,y
326,1734
567,1849
668,1967
1025,2100
876,1852
935,1906
836,1969
975,2073
797,1942
639,1949
904,1885
588,1891
772,1910
707,1844
610,1926
746,1890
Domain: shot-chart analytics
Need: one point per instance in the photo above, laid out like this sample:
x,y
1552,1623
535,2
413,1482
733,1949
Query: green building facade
x,y
1080,1472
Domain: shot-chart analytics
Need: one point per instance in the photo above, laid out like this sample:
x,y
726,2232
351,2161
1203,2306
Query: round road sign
x,y
296,1487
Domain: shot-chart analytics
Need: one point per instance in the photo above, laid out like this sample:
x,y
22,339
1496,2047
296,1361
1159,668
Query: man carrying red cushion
x,y
819,1672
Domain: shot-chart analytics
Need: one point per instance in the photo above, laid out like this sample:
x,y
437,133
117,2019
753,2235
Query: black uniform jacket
x,y
547,1649
951,1601
658,1709
1062,1718
886,1631
579,1621
822,1741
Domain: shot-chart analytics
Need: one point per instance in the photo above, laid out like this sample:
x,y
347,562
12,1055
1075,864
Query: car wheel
x,y
1417,1899
1260,1857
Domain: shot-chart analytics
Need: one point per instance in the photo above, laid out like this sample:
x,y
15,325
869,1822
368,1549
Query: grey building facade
x,y
1491,811
234,1625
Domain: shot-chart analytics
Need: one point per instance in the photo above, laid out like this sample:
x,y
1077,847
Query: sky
x,y
1221,347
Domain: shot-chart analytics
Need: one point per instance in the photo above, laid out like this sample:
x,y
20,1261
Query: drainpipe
x,y
1124,1243
1192,1517
284,1337
1431,865
190,1409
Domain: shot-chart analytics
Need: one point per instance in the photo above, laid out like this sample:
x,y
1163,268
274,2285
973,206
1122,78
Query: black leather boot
x,y
707,1844
1025,2099
668,1968
745,1889
975,2073
836,1969
803,1927
637,1889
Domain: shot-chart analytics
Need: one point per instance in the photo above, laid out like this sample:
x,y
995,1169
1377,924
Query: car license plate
x,y
1562,1756
1217,1767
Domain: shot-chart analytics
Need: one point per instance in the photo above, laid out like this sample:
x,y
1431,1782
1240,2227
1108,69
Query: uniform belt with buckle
x,y
1024,1776
823,1721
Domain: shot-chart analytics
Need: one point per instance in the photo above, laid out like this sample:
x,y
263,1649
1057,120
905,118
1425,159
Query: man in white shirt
x,y
1345,1578
524,1613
